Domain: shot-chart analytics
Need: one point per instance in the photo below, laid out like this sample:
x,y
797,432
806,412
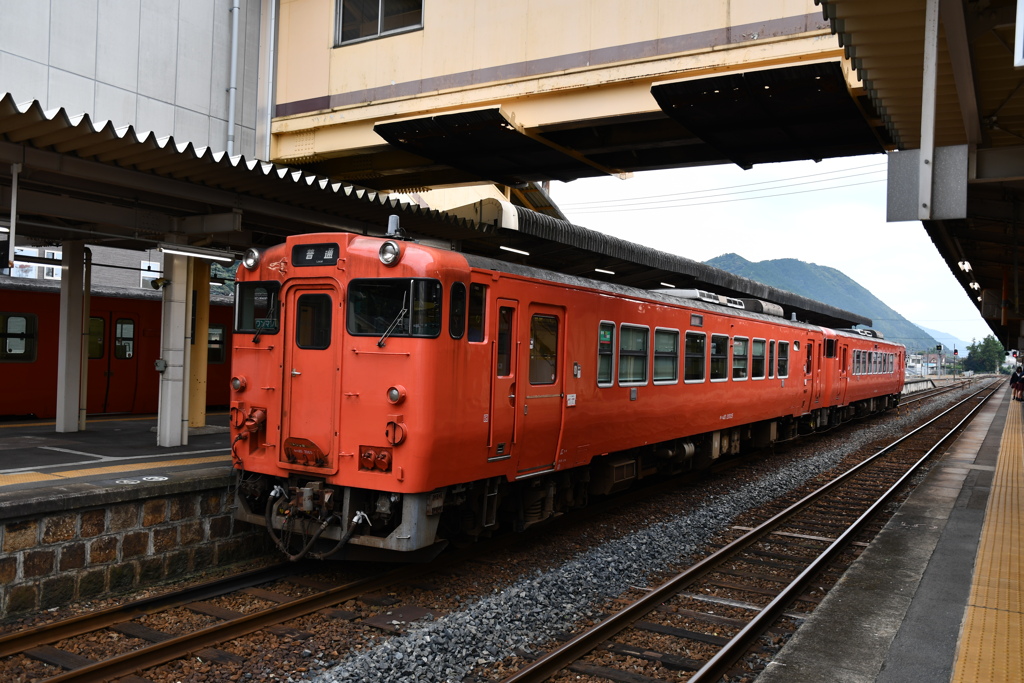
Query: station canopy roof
x,y
84,180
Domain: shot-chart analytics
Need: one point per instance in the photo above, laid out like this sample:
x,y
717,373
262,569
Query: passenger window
x,y
313,321
771,359
543,349
633,354
693,367
666,356
783,359
605,357
96,334
457,311
124,338
216,349
477,311
757,363
830,348
739,357
719,357
504,341
18,337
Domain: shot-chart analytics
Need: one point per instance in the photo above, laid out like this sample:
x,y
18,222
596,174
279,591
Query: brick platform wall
x,y
61,557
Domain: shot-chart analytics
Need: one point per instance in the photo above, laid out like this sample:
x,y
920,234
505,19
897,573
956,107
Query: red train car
x,y
388,395
123,343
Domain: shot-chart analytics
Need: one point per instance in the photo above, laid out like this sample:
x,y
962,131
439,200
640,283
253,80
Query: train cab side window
x,y
543,349
719,358
216,351
783,359
477,311
457,311
18,339
124,338
505,341
771,359
96,338
256,307
313,321
693,364
740,346
757,362
605,355
666,356
633,355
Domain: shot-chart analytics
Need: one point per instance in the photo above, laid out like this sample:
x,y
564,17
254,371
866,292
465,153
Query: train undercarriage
x,y
307,518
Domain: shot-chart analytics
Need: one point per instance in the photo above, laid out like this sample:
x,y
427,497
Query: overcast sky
x,y
830,213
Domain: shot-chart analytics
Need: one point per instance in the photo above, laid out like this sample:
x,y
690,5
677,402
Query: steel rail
x,y
49,633
556,660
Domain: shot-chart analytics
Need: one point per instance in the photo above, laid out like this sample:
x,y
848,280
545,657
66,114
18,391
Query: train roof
x,y
25,284
661,295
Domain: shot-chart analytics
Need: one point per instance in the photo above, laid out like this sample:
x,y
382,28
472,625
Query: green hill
x,y
829,286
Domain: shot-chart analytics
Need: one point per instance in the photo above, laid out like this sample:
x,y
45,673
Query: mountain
x,y
948,341
832,287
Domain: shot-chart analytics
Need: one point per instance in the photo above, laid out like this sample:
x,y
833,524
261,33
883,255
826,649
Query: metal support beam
x,y
928,82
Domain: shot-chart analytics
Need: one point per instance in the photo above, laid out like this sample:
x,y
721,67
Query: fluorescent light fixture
x,y
665,284
514,251
196,252
606,272
3,229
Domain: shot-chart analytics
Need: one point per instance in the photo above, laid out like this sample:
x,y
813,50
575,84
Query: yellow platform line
x,y
991,646
31,477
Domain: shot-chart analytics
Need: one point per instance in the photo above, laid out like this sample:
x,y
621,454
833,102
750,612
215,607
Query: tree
x,y
985,356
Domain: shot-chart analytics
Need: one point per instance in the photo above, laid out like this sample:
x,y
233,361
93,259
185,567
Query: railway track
x,y
286,592
761,580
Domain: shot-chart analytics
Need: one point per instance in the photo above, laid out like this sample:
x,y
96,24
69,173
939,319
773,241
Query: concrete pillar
x,y
175,337
200,344
70,353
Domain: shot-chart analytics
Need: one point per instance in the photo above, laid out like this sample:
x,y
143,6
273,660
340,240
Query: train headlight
x,y
396,394
389,253
251,258
238,383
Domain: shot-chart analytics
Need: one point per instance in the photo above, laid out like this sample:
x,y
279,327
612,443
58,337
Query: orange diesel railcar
x,y
123,344
387,396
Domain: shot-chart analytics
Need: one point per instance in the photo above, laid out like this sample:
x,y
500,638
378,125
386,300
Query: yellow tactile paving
x,y
127,467
991,647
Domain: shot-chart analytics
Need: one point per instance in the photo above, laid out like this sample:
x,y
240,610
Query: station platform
x,y
937,596
115,458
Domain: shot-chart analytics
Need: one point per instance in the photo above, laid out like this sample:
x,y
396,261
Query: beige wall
x,y
545,60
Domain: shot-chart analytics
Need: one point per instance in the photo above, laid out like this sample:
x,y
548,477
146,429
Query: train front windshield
x,y
256,307
407,307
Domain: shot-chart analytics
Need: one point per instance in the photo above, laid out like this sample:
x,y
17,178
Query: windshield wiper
x,y
394,324
270,316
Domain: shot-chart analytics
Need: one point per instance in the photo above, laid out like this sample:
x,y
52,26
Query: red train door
x,y
310,383
504,384
113,363
540,391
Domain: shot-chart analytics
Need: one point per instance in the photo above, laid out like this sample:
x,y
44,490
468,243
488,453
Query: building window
x,y
719,358
365,19
666,356
51,272
633,354
605,354
17,337
150,271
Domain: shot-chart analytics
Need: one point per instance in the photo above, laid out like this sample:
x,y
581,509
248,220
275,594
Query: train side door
x,y
311,375
844,372
540,392
113,364
504,380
